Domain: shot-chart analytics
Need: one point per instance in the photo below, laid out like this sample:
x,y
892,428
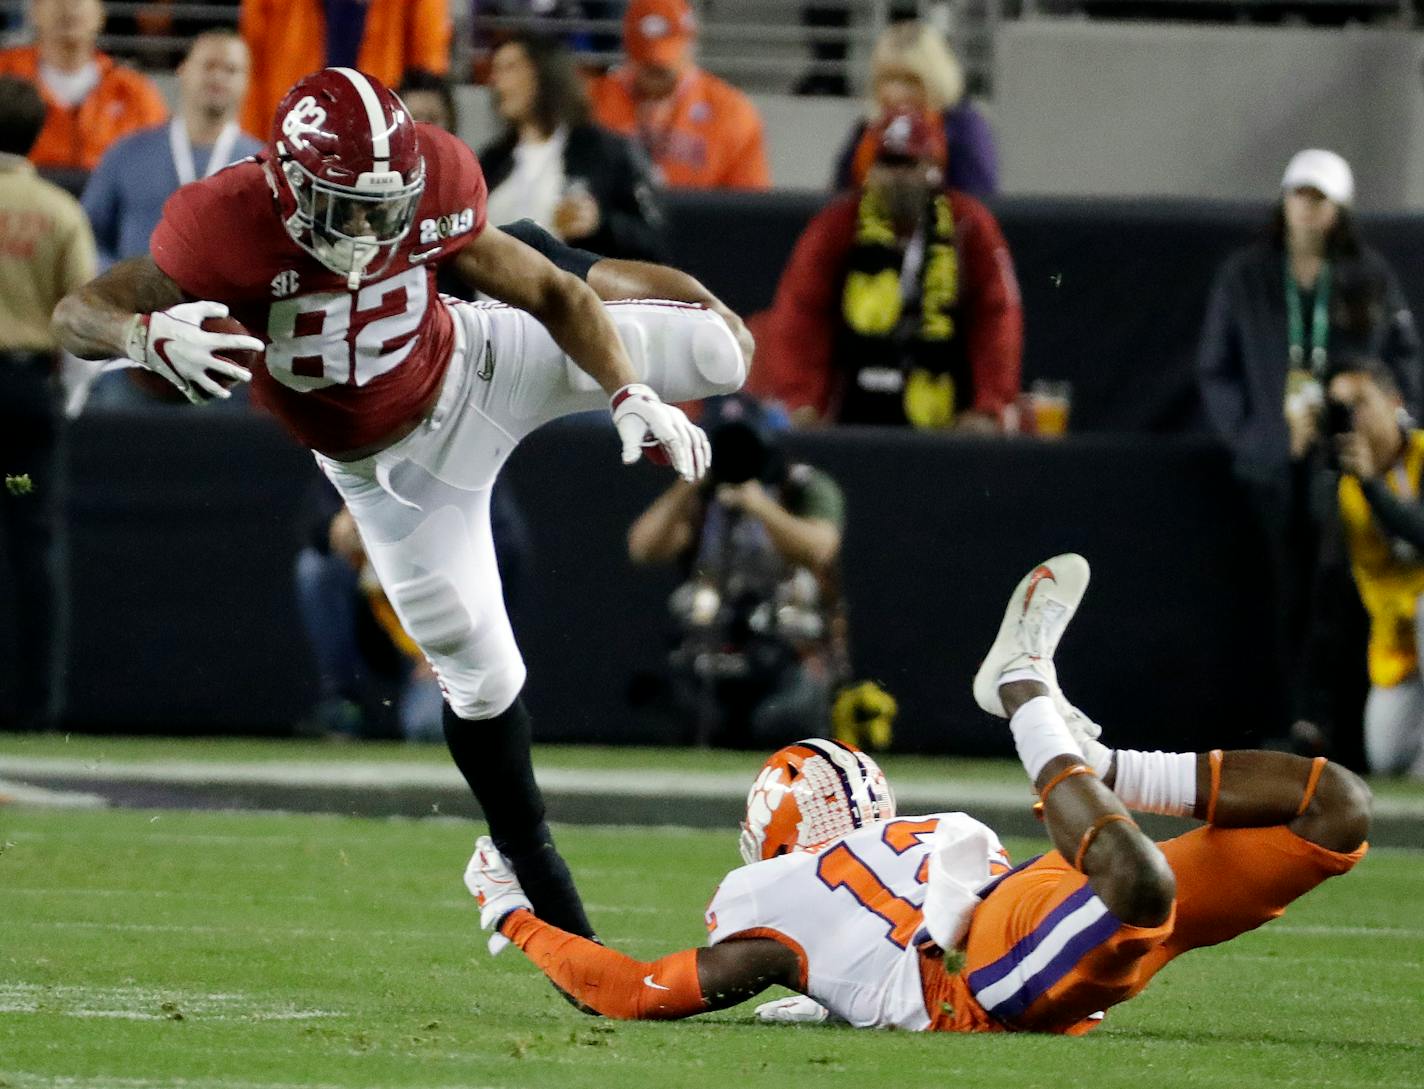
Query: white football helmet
x,y
811,793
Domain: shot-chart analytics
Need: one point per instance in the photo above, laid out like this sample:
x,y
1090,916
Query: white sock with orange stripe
x,y
1040,735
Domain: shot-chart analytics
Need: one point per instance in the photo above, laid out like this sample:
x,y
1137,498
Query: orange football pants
x,y
1044,954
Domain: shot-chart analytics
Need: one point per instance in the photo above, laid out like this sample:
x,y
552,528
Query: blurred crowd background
x,y
1130,276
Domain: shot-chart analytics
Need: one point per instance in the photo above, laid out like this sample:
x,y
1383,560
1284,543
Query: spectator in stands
x,y
430,99
899,304
46,251
1381,457
589,186
124,197
90,101
289,38
1279,312
700,132
763,642
913,68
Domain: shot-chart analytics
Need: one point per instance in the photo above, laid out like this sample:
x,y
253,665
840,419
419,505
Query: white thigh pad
x,y
432,612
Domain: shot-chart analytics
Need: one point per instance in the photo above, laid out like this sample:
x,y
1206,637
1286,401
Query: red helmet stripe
x,y
380,130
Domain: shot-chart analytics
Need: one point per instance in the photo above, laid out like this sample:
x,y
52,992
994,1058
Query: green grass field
x,y
259,951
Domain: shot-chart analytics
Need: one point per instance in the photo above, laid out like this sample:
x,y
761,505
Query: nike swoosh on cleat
x,y
1040,573
648,982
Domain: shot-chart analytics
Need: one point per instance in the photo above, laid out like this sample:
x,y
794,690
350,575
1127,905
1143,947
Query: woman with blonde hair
x,y
912,66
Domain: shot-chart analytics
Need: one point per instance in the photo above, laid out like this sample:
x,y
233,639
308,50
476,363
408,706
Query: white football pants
x,y
1394,722
422,505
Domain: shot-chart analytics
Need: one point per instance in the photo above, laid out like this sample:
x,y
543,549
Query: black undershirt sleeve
x,y
569,258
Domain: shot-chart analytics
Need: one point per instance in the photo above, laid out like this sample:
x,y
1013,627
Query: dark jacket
x,y
618,177
1244,352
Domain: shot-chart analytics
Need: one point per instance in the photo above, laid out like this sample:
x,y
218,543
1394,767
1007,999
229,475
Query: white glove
x,y
173,343
796,1010
644,423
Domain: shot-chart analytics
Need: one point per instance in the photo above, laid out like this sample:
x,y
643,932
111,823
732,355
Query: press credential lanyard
x,y
182,149
1319,324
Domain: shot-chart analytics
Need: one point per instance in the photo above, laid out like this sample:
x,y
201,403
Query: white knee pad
x,y
484,693
433,614
717,356
683,352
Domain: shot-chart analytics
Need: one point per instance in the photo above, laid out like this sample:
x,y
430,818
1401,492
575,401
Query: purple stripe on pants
x,y
992,973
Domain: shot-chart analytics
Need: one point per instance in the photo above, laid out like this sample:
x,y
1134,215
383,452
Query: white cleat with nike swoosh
x,y
1038,613
492,883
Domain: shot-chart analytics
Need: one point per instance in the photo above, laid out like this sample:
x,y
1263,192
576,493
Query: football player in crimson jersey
x,y
918,923
325,247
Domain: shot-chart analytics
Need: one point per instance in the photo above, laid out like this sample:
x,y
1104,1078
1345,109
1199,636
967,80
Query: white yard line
x,y
13,793
1329,930
626,782
23,1080
147,1004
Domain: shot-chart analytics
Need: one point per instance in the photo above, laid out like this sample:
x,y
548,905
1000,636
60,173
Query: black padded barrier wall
x,y
183,539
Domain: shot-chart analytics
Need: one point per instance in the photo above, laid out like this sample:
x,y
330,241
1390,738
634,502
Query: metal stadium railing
x,y
765,45
820,46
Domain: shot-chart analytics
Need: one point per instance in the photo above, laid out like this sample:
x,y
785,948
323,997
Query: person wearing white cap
x,y
1284,315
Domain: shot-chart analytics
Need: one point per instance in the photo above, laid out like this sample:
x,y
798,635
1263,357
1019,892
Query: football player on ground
x,y
903,922
325,247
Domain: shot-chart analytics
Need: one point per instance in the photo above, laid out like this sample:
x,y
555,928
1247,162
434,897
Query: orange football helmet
x,y
810,793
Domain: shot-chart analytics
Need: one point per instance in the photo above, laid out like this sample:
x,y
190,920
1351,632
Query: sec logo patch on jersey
x,y
285,283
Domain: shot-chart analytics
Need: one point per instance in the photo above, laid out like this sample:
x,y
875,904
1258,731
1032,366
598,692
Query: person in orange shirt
x,y
701,132
291,38
89,100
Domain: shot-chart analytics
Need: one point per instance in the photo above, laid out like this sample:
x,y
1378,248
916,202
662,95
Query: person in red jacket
x,y
899,305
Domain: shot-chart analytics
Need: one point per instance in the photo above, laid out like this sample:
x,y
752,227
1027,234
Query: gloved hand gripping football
x,y
200,361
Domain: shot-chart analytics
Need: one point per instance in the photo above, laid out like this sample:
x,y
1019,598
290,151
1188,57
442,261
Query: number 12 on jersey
x,y
841,868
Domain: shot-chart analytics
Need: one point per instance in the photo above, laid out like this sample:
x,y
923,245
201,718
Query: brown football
x,y
160,389
248,359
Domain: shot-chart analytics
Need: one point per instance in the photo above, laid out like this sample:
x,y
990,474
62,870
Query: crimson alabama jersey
x,y
343,368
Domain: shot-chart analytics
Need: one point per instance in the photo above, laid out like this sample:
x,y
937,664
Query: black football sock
x,y
493,755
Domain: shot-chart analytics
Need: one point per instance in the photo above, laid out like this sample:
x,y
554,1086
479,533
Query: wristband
x,y
136,338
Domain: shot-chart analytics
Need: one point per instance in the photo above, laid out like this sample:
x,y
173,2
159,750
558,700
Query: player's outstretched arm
x,y
506,269
612,983
93,321
680,985
614,280
137,311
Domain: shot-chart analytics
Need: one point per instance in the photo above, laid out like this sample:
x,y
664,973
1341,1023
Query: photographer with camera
x,y
1281,313
762,635
1380,453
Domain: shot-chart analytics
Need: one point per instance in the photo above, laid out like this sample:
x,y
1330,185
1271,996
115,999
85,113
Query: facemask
x,y
347,255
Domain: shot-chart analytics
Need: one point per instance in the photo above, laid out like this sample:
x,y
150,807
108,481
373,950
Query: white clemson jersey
x,y
854,913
